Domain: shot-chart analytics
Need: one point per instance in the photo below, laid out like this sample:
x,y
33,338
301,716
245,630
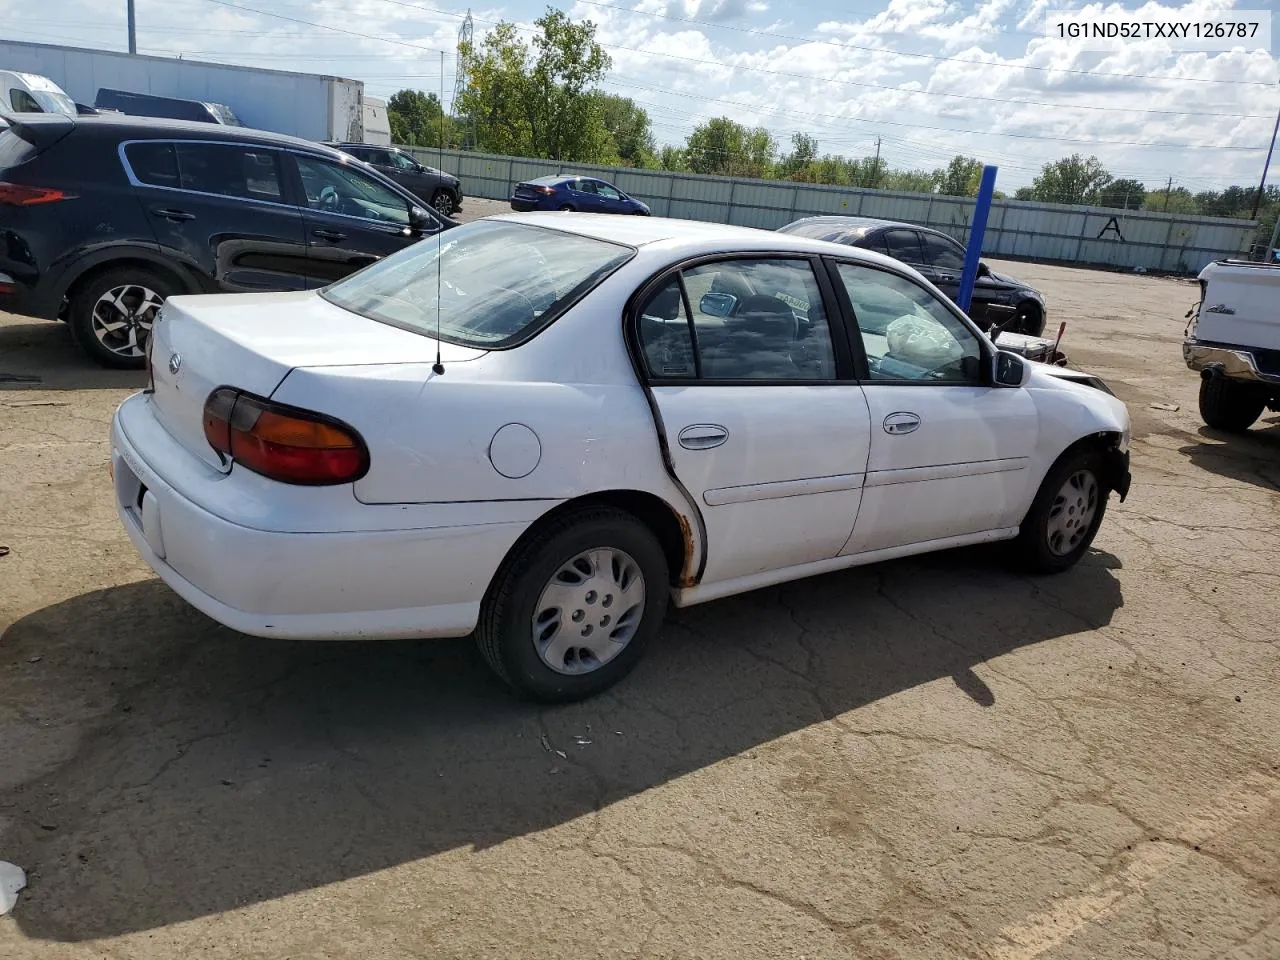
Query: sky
x,y
928,78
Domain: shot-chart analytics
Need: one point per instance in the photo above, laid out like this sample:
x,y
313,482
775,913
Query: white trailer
x,y
303,105
377,125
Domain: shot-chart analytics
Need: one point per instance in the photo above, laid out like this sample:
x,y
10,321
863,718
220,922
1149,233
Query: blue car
x,y
585,194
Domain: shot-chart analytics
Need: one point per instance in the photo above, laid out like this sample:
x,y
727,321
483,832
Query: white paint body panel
x,y
1252,292
806,481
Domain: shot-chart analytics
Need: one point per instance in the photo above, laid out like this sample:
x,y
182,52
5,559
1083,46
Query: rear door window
x,y
154,164
229,171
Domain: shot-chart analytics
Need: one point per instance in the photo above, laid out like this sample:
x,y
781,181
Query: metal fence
x,y
1039,231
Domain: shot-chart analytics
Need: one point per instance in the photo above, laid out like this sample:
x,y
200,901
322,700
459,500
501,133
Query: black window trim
x,y
854,332
841,348
293,199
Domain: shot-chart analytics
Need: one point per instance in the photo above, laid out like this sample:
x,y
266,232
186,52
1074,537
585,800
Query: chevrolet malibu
x,y
541,429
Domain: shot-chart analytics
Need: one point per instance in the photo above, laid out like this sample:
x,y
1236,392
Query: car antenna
x,y
438,369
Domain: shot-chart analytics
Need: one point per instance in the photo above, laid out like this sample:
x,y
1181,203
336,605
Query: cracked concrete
x,y
929,759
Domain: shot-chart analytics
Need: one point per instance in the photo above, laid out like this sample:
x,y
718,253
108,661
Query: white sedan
x,y
541,427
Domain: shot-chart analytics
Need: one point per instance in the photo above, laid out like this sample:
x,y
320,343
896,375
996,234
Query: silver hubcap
x,y
589,611
444,204
123,317
1072,512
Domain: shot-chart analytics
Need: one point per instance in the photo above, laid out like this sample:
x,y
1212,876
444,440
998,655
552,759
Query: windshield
x,y
52,102
498,282
224,114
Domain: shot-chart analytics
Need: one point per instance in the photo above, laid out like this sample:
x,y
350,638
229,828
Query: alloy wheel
x,y
123,317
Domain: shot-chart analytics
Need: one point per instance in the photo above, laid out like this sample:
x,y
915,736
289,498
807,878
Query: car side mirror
x,y
1010,370
717,304
420,221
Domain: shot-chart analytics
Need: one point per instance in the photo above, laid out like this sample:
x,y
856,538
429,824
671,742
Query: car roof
x,y
126,126
639,231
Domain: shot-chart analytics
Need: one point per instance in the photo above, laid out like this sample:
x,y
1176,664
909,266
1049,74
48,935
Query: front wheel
x,y
111,315
443,203
566,208
572,610
1229,406
1065,515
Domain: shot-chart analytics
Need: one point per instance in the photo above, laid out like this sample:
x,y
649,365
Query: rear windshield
x,y
823,231
499,283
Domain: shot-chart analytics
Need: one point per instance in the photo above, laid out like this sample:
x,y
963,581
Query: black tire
x,y
1028,319
442,202
504,632
108,348
1033,549
1230,406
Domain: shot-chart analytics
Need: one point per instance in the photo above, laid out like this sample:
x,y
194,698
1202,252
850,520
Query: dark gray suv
x,y
433,187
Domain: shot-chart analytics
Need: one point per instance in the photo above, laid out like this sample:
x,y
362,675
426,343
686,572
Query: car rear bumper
x,y
339,585
521,205
1236,363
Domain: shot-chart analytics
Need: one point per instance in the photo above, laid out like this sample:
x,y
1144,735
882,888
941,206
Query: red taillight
x,y
545,191
20,195
283,443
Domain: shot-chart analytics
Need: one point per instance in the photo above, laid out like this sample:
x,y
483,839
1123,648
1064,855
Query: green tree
x,y
629,127
673,159
1177,200
726,147
797,165
910,181
1125,194
415,118
537,100
1024,193
960,177
1073,179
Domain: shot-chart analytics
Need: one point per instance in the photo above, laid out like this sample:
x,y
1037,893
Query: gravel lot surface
x,y
929,759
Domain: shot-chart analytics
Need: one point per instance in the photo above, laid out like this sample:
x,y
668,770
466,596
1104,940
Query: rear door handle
x,y
177,216
703,436
329,235
901,422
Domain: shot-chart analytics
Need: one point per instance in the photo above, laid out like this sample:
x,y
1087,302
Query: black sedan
x,y
997,297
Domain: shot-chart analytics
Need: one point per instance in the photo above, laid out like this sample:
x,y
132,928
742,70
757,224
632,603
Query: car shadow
x,y
1252,457
220,770
40,355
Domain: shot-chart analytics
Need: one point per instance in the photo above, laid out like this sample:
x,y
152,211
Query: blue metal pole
x,y
976,231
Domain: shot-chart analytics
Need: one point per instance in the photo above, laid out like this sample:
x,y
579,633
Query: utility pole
x,y
875,168
133,29
1263,183
1168,190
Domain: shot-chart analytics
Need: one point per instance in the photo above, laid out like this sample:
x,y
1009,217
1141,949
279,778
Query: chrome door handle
x,y
900,423
703,436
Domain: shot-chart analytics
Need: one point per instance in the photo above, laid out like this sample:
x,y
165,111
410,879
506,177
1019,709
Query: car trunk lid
x,y
252,341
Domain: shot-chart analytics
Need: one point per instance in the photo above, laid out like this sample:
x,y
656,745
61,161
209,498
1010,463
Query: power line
x,y
325,26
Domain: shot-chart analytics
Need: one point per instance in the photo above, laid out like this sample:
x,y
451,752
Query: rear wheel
x,y
443,202
1228,405
567,208
572,610
1065,515
112,314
